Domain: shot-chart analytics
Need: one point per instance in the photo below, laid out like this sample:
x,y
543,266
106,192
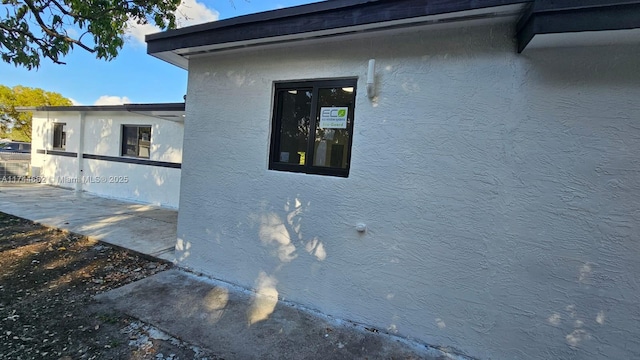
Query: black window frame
x,y
62,140
315,86
123,140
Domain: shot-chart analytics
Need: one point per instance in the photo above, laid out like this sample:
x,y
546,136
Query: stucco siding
x,y
54,167
500,191
103,136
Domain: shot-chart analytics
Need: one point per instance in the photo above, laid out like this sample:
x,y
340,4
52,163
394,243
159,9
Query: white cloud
x,y
138,31
72,32
112,100
75,102
190,12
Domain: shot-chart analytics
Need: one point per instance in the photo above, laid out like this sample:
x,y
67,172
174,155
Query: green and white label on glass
x,y
333,117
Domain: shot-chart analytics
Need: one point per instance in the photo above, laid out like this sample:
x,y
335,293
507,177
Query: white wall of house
x,y
500,191
103,136
54,167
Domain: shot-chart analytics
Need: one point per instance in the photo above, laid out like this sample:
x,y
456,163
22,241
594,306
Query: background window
x,y
312,127
59,136
136,141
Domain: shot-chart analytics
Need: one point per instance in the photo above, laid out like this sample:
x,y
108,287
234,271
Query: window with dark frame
x,y
312,127
59,136
136,141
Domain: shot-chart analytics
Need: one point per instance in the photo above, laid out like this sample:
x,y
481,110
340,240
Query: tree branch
x,y
52,32
38,28
63,9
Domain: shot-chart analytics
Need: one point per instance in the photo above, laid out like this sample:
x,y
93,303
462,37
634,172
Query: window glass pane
x,y
130,141
335,116
295,115
144,141
59,136
56,136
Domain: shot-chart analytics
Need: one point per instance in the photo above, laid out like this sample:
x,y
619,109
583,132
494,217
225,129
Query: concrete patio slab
x,y
222,318
144,228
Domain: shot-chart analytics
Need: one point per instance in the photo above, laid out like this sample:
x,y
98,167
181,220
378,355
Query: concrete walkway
x,y
205,312
214,315
147,229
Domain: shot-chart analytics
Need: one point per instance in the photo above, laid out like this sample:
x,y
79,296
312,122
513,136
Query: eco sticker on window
x,y
333,117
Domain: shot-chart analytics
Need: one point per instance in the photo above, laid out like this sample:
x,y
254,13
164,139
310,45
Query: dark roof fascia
x,y
555,16
124,107
72,108
155,107
270,15
314,17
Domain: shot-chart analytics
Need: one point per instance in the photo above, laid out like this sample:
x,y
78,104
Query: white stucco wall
x,y
501,192
102,136
54,167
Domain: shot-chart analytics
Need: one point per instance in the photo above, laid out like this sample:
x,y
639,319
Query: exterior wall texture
x,y
103,136
501,192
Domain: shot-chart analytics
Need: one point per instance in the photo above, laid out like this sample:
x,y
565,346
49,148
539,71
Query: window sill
x,y
134,157
310,170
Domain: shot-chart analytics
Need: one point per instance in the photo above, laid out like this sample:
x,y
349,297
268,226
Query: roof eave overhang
x,y
576,16
167,111
338,18
176,46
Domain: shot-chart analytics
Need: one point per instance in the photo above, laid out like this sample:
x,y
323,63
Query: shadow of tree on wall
x,y
281,234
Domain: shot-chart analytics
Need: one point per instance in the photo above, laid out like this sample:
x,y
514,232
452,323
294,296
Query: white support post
x,y
80,173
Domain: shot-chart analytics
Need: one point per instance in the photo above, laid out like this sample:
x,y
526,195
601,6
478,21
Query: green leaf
x,y
29,33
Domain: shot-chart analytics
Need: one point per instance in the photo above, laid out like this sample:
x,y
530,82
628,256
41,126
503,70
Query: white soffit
x,y
585,38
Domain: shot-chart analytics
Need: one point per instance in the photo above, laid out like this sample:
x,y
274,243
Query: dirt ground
x,y
47,281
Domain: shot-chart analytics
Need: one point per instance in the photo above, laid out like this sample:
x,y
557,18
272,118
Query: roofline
x,y
345,17
398,9
332,17
270,15
123,107
574,16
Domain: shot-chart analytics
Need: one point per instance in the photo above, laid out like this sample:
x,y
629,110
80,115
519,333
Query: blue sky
x,y
133,76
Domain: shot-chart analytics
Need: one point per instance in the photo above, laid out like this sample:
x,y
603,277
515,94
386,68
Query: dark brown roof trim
x,y
124,107
155,107
320,16
554,16
541,17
